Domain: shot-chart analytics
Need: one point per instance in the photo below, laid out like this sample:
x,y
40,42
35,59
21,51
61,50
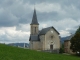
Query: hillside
x,y
19,44
14,53
64,38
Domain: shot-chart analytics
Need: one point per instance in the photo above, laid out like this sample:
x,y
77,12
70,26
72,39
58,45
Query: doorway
x,y
51,47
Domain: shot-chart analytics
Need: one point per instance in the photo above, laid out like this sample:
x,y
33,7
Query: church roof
x,y
42,32
34,38
45,30
34,19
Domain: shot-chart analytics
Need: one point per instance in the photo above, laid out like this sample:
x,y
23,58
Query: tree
x,y
75,42
78,30
61,49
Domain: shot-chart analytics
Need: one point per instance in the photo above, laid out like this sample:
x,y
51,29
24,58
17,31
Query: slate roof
x,y
34,38
45,30
42,32
34,19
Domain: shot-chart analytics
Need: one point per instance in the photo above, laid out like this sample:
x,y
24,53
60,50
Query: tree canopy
x,y
78,30
75,42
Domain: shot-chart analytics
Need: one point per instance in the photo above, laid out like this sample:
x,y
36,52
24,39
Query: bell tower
x,y
34,26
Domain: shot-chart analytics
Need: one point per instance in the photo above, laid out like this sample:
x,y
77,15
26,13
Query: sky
x,y
16,16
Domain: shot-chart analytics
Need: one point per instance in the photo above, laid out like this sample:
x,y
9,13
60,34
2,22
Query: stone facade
x,y
46,39
51,38
67,45
35,45
34,29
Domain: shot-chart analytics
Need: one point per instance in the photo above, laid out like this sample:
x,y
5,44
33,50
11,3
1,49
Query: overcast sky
x,y
16,16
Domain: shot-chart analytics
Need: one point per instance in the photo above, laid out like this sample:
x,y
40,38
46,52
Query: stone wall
x,y
49,40
67,47
35,45
33,30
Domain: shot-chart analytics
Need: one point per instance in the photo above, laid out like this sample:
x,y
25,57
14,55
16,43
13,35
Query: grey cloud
x,y
7,19
8,37
42,17
73,30
6,3
15,13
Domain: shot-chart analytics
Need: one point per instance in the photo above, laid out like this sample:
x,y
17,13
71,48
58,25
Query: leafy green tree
x,y
61,49
75,42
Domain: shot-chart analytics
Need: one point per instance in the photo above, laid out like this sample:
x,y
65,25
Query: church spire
x,y
34,19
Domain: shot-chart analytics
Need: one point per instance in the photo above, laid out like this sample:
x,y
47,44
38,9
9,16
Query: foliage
x,y
75,42
61,49
78,30
14,53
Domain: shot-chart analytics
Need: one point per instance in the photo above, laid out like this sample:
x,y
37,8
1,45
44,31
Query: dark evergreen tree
x,y
75,42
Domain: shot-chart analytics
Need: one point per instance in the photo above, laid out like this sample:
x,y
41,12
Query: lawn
x,y
14,53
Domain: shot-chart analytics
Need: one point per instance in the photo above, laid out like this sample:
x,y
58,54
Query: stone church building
x,y
46,39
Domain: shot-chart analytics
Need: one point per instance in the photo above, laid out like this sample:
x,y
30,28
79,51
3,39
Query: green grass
x,y
14,53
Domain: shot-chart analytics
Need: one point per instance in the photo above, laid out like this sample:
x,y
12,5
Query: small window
x,y
35,29
51,37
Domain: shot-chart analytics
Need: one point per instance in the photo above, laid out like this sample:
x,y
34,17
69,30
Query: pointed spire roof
x,y
34,19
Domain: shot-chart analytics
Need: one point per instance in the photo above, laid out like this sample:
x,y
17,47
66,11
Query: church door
x,y
51,47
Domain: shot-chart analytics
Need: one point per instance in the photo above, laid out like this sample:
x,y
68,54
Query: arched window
x,y
51,37
35,29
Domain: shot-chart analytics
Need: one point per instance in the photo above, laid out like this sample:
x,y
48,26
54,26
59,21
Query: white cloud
x,y
10,34
66,23
49,7
15,17
42,25
64,33
65,26
23,27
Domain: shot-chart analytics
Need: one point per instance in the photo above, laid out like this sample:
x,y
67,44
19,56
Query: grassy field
x,y
14,53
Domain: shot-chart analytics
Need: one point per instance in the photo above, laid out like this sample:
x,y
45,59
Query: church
x,y
46,39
